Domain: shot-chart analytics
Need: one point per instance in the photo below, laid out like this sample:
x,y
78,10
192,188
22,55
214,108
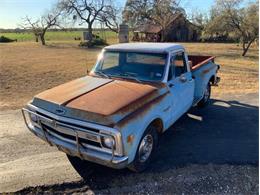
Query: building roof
x,y
145,47
149,28
155,28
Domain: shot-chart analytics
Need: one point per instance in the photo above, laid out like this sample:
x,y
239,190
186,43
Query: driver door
x,y
181,85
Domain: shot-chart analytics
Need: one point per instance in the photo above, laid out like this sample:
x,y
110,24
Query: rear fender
x,y
202,78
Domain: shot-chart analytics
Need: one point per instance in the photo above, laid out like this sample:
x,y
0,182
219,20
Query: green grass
x,y
60,36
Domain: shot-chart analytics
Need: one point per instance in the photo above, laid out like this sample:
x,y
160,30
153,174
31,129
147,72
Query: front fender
x,y
133,126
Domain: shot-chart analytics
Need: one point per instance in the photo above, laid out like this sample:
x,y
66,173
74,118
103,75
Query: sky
x,y
12,11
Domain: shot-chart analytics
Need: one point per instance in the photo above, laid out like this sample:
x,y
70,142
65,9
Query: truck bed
x,y
197,61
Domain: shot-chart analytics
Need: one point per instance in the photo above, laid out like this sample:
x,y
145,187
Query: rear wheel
x,y
146,150
206,97
84,168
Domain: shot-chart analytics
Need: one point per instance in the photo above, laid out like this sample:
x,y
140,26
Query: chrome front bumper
x,y
73,147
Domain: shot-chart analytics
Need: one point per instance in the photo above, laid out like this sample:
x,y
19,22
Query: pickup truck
x,y
115,115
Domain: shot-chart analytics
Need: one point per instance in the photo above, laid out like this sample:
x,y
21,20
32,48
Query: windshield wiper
x,y
130,77
102,74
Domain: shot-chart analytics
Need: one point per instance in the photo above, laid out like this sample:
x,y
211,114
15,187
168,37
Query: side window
x,y
179,64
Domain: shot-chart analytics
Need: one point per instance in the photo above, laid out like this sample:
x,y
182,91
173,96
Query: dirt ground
x,y
27,68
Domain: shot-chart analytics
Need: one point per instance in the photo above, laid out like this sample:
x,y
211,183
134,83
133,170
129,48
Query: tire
x,y
206,97
142,157
84,168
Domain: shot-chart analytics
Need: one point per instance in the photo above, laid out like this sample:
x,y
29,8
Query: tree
x,y
199,19
111,17
40,26
136,12
90,11
33,26
159,12
229,17
163,12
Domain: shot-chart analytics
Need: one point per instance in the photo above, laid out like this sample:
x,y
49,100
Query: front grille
x,y
70,137
66,123
68,131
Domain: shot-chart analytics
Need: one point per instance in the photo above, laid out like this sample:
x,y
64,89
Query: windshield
x,y
132,65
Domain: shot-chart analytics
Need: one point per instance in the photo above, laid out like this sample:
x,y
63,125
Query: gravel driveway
x,y
211,150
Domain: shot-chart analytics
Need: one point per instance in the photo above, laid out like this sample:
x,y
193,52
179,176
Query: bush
x,y
4,39
96,41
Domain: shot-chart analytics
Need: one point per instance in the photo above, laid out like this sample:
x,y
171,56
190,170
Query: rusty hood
x,y
98,100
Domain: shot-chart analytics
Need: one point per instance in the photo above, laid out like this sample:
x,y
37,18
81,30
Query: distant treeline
x,y
20,30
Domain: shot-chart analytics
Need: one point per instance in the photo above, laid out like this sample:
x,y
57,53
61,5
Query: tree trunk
x,y
162,35
90,31
246,47
36,38
42,39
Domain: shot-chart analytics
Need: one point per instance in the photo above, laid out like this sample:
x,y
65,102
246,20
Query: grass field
x,y
27,68
60,36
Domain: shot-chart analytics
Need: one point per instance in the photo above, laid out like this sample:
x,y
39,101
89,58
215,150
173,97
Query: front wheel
x,y
145,150
206,97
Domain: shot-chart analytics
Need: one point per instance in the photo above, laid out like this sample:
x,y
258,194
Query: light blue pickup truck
x,y
115,115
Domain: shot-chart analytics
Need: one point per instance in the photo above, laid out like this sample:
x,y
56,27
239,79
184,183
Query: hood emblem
x,y
60,111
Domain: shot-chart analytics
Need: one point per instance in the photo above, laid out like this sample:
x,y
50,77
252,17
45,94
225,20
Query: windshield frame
x,y
100,61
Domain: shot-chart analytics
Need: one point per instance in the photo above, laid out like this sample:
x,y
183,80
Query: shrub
x,y
4,39
96,41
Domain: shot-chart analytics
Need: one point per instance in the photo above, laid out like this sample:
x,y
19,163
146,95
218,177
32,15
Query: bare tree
x,y
160,12
163,12
230,17
199,19
33,26
136,12
111,17
40,26
90,11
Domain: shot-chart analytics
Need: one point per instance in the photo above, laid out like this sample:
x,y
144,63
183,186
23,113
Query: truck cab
x,y
114,115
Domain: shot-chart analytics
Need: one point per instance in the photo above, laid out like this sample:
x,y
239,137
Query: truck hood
x,y
97,100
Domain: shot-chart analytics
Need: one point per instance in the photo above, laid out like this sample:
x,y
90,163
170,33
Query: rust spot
x,y
207,70
139,113
71,90
130,139
112,97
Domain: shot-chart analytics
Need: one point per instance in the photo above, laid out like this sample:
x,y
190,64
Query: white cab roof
x,y
145,47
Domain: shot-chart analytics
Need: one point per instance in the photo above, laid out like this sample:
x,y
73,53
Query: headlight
x,y
108,142
33,117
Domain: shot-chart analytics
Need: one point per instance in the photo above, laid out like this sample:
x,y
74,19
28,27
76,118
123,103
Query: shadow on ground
x,y
225,132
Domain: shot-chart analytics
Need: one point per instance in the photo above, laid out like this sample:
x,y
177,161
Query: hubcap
x,y
145,148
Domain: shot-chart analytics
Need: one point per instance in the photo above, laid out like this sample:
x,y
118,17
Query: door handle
x,y
183,79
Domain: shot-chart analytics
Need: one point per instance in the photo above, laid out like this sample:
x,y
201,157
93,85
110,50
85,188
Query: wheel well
x,y
158,124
